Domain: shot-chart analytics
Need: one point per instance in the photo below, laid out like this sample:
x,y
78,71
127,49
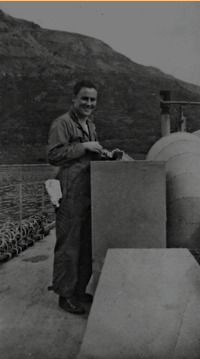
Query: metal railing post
x,y
182,120
20,209
165,104
42,197
165,115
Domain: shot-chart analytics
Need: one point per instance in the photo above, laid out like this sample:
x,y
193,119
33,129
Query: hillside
x,y
38,69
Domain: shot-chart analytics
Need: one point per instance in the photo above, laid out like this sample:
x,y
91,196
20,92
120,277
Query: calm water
x,y
30,177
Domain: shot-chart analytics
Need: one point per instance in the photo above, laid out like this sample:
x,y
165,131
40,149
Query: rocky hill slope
x,y
38,69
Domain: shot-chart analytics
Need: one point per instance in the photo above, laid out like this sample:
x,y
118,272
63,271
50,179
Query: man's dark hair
x,y
84,83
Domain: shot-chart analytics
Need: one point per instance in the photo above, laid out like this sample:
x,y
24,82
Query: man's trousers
x,y
73,253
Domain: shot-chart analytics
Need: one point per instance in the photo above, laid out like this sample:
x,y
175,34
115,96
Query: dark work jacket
x,y
65,150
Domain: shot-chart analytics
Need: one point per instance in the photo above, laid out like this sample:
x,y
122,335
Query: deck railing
x,y
28,198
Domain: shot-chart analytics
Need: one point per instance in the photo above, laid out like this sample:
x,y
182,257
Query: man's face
x,y
85,101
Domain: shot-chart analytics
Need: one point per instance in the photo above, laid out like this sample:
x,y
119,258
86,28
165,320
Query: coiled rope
x,y
16,237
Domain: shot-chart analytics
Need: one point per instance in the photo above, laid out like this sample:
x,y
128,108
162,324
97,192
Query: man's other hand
x,y
92,146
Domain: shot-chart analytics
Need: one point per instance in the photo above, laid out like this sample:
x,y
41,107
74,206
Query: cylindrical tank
x,y
181,153
197,133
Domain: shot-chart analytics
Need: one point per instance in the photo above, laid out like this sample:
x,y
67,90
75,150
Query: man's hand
x,y
92,146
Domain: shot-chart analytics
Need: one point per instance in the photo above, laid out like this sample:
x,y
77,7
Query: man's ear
x,y
73,98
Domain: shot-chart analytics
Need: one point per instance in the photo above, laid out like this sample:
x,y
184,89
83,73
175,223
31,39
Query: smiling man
x,y
72,145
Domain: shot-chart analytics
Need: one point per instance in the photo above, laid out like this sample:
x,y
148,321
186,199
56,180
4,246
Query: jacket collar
x,y
73,115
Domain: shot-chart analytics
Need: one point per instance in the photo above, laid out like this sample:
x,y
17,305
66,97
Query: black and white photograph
x,y
99,179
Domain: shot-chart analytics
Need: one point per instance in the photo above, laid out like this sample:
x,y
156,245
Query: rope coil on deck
x,y
16,237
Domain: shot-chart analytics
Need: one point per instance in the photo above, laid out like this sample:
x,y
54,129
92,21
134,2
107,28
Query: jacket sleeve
x,y
60,149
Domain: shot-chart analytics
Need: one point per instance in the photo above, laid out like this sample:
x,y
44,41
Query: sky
x,y
163,34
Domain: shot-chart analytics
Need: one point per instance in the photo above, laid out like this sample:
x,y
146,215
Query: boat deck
x,y
31,323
